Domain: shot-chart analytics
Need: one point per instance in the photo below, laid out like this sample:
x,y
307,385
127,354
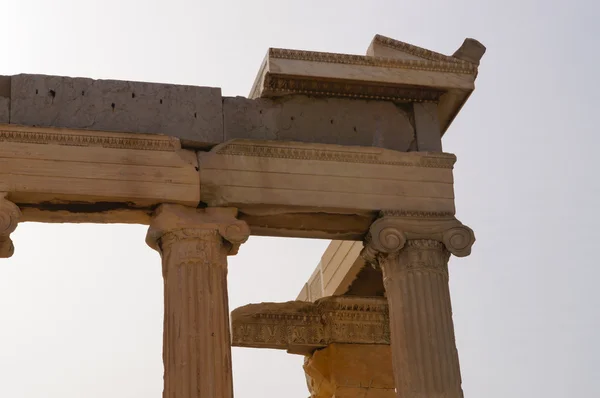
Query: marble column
x,y
9,218
413,253
194,245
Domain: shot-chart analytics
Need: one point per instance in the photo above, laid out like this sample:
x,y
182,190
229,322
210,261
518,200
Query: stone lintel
x,y
302,327
95,171
253,175
287,189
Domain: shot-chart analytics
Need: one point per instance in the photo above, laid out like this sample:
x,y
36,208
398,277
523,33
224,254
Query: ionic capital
x,y
301,327
393,229
9,218
173,223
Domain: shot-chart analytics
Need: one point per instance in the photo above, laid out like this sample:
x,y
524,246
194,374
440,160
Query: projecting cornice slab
x,y
392,70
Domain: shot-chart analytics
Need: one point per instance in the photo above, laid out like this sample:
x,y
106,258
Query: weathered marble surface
x,y
398,96
186,112
338,121
303,327
350,371
253,173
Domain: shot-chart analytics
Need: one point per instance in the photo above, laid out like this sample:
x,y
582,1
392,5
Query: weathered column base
x,y
350,371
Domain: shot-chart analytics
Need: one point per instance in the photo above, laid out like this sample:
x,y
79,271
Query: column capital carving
x,y
301,327
389,233
9,219
172,223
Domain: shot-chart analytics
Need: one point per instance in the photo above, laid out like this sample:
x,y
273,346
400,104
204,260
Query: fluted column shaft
x,y
413,250
194,246
196,352
424,352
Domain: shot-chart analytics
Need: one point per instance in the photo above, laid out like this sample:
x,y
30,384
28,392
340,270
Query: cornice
x,y
348,88
437,65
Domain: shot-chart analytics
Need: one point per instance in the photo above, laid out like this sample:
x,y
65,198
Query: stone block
x,y
5,99
256,173
190,113
319,120
427,126
4,110
351,371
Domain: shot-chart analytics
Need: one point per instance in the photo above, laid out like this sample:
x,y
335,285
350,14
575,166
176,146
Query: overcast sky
x,y
81,305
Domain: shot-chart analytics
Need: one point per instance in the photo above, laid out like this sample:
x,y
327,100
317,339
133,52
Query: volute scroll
x,y
390,233
10,215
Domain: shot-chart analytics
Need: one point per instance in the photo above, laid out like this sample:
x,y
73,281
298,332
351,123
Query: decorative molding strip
x,y
349,88
237,148
418,51
91,140
348,59
416,214
302,327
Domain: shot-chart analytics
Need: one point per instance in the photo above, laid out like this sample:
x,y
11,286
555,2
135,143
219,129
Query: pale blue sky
x,y
81,305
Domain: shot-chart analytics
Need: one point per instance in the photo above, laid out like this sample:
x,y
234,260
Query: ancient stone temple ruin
x,y
330,146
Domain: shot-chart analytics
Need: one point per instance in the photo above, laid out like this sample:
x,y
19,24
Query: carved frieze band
x,y
300,152
348,88
9,219
89,140
437,65
390,233
301,327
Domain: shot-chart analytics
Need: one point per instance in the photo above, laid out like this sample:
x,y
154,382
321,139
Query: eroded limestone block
x,y
186,112
258,173
350,371
320,120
